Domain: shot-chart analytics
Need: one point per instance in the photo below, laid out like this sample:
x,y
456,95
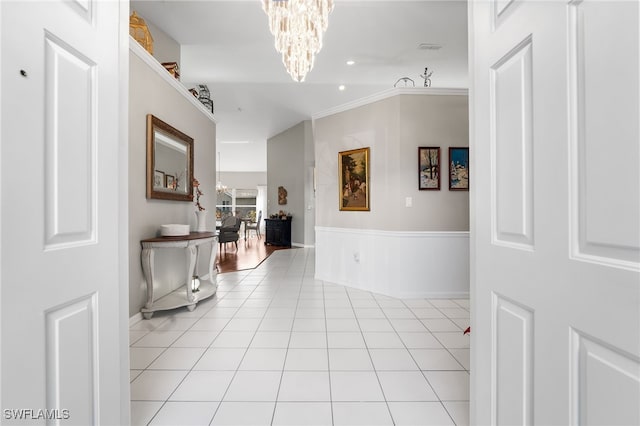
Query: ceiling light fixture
x,y
298,26
341,87
220,188
351,62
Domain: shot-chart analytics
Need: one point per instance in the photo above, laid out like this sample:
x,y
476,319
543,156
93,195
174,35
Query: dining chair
x,y
255,226
229,231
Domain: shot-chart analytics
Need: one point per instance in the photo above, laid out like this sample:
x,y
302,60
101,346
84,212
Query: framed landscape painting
x,y
429,168
458,169
353,179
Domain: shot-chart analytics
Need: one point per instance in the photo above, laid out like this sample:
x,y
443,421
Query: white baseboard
x,y
398,264
303,245
135,318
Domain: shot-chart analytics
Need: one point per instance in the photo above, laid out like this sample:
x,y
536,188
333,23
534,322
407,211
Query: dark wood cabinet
x,y
278,232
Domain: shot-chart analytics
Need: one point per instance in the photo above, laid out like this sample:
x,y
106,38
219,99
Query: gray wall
x,y
394,128
289,164
309,192
150,94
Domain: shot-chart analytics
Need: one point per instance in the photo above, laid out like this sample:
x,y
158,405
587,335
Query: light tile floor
x,y
277,347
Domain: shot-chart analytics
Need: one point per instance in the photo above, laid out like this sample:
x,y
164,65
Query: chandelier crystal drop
x,y
298,27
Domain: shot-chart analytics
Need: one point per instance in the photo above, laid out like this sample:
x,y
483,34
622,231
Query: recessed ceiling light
x,y
429,46
351,62
234,142
341,87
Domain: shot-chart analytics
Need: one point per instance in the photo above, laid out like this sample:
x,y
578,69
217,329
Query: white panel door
x,y
60,291
555,226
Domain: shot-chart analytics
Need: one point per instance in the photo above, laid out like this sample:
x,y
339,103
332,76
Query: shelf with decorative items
x,y
158,68
203,95
173,69
139,30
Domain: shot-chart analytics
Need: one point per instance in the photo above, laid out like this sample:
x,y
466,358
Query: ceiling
x,y
227,45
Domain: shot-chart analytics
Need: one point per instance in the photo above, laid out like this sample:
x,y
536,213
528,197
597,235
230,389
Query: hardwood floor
x,y
250,253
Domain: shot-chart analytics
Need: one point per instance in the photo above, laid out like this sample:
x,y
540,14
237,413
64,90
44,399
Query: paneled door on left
x,y
60,290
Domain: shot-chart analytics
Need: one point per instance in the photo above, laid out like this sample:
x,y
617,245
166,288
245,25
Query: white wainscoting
x,y
401,264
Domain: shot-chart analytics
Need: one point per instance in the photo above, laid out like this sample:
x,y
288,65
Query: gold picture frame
x,y
171,152
353,180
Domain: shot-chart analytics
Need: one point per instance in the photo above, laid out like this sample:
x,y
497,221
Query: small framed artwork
x,y
158,179
353,180
429,168
170,182
458,169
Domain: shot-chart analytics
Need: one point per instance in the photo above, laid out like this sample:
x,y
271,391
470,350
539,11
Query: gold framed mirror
x,y
169,162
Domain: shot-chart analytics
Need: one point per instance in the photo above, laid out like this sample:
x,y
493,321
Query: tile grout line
x,y
275,405
200,358
164,351
422,372
326,335
243,355
439,341
182,334
370,357
158,356
206,349
247,349
403,342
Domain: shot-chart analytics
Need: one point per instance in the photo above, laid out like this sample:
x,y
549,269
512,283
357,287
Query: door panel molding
x,y
605,382
511,362
500,9
70,146
84,8
71,355
603,223
511,111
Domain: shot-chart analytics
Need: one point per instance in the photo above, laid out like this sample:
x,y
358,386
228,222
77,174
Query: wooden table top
x,y
191,236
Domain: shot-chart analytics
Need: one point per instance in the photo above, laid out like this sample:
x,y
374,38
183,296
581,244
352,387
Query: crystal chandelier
x,y
298,26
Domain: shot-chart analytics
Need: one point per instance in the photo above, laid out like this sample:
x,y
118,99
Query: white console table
x,y
183,296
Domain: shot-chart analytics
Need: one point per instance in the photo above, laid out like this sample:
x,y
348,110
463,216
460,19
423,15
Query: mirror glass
x,y
169,162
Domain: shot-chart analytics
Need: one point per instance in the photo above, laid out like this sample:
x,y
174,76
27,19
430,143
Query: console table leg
x,y
192,255
147,269
212,261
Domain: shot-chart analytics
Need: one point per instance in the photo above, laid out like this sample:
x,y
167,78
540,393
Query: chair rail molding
x,y
402,264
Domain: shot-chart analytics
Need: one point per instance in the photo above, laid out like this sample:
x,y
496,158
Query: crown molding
x,y
389,93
